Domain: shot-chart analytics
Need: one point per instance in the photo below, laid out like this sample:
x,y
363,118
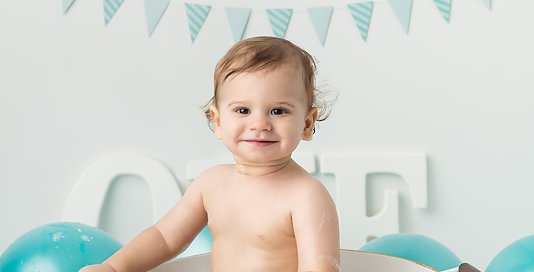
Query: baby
x,y
265,213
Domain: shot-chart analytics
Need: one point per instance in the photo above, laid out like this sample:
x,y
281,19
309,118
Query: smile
x,y
260,143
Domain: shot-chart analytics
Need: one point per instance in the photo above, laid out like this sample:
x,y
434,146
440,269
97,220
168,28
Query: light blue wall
x,y
73,90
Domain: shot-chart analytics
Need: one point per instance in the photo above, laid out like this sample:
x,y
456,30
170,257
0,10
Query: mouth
x,y
260,143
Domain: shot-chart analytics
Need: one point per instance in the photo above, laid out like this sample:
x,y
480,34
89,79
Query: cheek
x,y
294,130
230,127
299,124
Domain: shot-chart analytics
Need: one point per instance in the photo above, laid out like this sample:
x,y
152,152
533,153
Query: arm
x,y
169,237
316,228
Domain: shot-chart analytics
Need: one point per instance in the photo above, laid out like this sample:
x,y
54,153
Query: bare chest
x,y
250,216
252,234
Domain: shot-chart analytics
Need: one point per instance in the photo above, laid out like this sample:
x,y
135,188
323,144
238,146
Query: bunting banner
x,y
196,15
66,5
110,7
487,3
279,19
320,17
444,7
403,10
361,12
154,9
238,20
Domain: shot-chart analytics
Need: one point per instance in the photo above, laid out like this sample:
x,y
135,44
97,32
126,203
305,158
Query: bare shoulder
x,y
308,188
217,169
309,195
214,173
315,225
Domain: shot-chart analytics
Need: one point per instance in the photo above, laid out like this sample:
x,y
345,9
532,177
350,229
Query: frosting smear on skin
x,y
326,217
333,261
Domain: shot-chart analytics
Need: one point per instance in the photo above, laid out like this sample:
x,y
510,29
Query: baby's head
x,y
264,54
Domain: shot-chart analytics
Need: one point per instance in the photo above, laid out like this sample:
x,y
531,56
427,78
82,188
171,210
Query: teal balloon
x,y
201,244
415,247
58,247
517,257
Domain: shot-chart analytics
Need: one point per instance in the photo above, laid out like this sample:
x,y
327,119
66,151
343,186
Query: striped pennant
x,y
279,19
361,12
110,7
444,7
196,15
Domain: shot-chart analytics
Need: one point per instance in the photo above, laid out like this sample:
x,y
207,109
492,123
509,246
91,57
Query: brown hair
x,y
266,54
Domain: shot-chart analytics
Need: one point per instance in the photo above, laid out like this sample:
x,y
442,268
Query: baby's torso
x,y
250,221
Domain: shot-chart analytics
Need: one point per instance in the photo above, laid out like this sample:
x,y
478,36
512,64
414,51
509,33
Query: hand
x,y
98,268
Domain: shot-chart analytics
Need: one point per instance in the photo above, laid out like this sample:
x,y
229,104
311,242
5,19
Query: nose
x,y
259,122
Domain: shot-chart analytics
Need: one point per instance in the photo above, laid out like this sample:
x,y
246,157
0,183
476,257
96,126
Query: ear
x,y
311,117
214,112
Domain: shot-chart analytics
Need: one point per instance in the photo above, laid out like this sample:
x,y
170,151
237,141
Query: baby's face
x,y
262,116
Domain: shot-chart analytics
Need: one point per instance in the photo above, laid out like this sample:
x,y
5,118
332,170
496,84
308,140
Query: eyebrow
x,y
243,102
287,103
235,102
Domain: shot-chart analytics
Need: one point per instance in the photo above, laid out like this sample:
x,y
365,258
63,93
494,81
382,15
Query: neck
x,y
261,169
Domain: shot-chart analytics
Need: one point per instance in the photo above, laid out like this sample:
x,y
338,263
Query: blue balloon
x,y
62,246
518,256
415,247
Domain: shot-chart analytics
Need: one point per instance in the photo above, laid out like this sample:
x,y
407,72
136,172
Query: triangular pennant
x,y
444,7
361,12
403,10
238,19
110,7
66,5
154,9
196,15
279,19
487,3
320,17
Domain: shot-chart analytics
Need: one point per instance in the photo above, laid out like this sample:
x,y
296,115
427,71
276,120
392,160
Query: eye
x,y
278,111
242,110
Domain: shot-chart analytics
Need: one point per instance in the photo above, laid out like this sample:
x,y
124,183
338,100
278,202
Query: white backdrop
x,y
73,90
